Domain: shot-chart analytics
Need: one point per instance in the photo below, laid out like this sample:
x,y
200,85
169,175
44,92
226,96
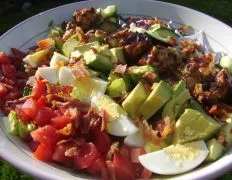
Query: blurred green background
x,y
14,11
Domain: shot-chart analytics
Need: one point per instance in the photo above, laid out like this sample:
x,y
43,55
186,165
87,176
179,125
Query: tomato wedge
x,y
30,108
38,89
44,153
42,101
46,135
86,155
3,89
101,140
60,122
4,58
44,116
59,154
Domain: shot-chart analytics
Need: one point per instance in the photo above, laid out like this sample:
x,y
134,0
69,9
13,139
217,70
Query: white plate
x,y
26,34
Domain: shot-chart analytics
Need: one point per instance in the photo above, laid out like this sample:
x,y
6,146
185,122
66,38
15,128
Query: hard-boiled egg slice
x,y
66,77
58,60
135,140
49,73
175,159
119,124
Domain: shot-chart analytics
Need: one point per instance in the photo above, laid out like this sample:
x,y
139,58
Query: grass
x,y
219,9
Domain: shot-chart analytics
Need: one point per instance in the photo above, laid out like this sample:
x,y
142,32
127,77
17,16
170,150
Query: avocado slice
x,y
25,129
117,55
36,58
227,131
11,123
193,125
109,11
104,50
196,106
117,88
216,150
69,46
176,105
135,99
137,72
160,94
81,49
161,33
98,62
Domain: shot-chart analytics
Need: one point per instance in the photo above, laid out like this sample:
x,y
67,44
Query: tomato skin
x,y
44,153
44,116
101,140
123,168
33,145
8,70
60,122
3,90
38,89
30,108
125,152
42,101
21,115
4,58
99,168
46,135
86,154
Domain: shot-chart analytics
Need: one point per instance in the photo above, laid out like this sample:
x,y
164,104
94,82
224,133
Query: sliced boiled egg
x,y
66,77
58,60
175,159
119,124
48,73
135,140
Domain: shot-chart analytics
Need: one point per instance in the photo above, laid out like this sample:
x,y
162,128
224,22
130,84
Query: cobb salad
x,y
119,98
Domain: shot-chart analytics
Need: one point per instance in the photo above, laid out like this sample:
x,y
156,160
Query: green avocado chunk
x,y
227,131
193,125
176,105
12,123
117,88
137,72
81,49
109,11
161,33
117,55
160,94
98,62
25,129
216,150
134,100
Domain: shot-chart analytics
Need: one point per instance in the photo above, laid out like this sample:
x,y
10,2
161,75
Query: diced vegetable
x,y
117,88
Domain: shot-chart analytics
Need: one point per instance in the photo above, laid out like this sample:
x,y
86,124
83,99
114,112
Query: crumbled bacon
x,y
79,70
120,69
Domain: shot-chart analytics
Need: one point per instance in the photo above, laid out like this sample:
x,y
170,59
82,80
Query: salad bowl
x,y
217,38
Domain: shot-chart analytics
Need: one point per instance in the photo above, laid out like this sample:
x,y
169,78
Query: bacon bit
x,y
21,100
71,152
79,70
66,131
81,35
17,53
171,41
46,43
110,167
220,111
184,29
120,69
149,77
114,147
222,139
104,115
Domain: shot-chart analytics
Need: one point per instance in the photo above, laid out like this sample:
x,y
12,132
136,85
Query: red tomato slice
x,y
30,108
4,58
125,151
60,122
46,135
11,96
33,145
42,101
3,89
99,168
21,115
17,53
8,69
101,140
44,153
86,154
38,89
123,168
59,153
44,116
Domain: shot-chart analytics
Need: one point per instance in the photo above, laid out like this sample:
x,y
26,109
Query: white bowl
x,y
25,35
